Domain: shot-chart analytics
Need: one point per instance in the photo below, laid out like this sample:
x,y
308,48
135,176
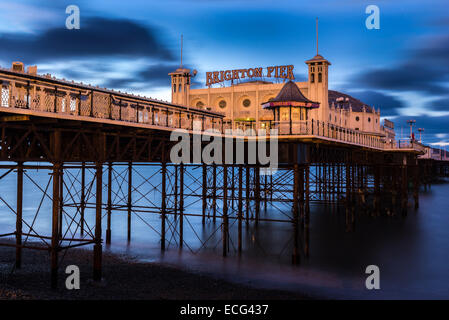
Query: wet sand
x,y
123,278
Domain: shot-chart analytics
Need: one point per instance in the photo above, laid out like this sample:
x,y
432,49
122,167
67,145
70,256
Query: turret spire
x,y
317,35
181,51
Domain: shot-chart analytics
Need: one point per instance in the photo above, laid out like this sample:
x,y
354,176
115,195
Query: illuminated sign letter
x,y
282,73
235,74
270,71
290,73
216,77
209,78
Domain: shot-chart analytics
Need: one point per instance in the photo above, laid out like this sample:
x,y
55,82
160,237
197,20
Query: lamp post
x,y
420,130
411,123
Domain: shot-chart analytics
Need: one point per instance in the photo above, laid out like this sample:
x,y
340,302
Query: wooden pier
x,y
94,141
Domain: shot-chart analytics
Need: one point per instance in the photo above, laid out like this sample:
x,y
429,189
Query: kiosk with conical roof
x,y
290,106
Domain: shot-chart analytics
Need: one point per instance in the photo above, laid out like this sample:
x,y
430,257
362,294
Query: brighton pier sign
x,y
283,72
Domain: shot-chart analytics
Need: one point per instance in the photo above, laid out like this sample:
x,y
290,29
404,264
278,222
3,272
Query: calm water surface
x,y
412,253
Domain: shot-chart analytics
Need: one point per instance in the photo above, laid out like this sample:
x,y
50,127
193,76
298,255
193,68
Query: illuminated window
x,y
246,103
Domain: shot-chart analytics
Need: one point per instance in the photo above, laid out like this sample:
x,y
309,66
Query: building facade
x,y
241,103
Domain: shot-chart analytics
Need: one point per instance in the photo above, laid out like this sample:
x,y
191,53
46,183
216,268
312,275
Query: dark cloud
x,y
424,70
151,76
388,104
97,37
431,125
409,77
441,104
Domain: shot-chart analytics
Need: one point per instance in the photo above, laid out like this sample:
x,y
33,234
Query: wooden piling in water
x,y
129,202
163,203
295,209
181,205
240,209
307,212
98,249
109,205
83,197
19,215
257,192
204,194
214,192
225,226
55,209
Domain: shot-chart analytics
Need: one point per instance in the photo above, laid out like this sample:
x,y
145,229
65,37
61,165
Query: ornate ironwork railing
x,y
46,94
39,93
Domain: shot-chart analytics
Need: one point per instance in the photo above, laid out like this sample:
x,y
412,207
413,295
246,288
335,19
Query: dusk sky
x,y
131,46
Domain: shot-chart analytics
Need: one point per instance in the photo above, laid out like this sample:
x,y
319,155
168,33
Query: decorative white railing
x,y
38,93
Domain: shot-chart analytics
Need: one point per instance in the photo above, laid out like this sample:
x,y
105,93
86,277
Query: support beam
x,y
204,194
109,206
416,184
129,204
181,205
307,212
225,227
163,203
348,196
295,256
240,210
55,237
83,197
214,191
257,192
98,248
19,215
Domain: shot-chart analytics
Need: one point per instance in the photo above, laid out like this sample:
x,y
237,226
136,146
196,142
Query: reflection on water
x,y
412,253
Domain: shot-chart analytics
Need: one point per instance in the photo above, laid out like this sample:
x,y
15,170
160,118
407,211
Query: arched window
x,y
199,105
320,77
357,118
312,78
